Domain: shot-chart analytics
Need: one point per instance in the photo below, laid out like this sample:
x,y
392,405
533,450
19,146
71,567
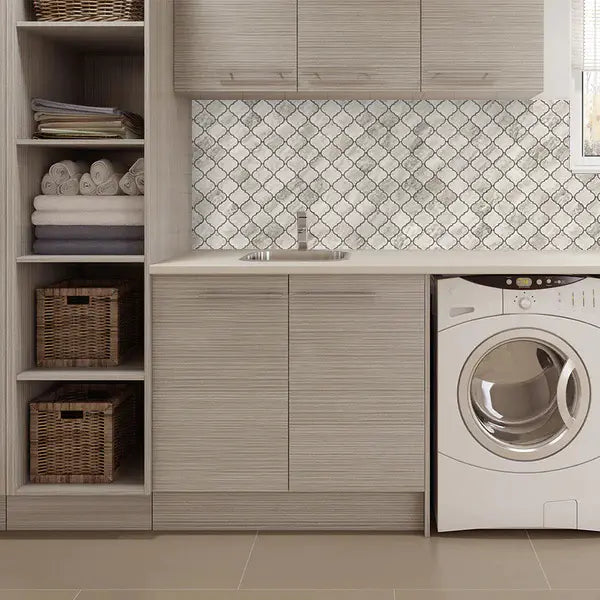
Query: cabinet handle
x,y
276,79
360,79
470,77
241,296
340,294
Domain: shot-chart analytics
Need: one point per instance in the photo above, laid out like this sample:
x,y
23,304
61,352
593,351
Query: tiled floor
x,y
304,566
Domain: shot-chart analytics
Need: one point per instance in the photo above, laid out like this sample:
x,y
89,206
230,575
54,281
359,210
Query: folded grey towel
x,y
89,232
88,247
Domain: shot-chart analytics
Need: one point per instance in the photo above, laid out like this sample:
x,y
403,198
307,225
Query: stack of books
x,y
57,120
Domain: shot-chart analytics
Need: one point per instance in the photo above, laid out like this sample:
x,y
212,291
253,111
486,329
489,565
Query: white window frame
x,y
578,162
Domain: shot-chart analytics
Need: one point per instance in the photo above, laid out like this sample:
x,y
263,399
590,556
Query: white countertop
x,y
434,262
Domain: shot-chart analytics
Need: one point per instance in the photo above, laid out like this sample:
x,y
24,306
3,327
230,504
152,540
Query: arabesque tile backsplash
x,y
378,174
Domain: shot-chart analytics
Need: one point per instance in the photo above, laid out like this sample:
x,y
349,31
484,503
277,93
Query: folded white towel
x,y
86,186
110,187
89,217
88,203
127,184
66,169
137,168
139,182
102,169
70,187
49,186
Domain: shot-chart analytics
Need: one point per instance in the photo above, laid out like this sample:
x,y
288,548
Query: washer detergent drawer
x,y
460,301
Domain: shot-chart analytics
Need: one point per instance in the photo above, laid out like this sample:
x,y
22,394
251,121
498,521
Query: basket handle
x,y
71,414
78,300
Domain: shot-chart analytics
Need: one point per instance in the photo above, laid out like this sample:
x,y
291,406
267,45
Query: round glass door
x,y
524,394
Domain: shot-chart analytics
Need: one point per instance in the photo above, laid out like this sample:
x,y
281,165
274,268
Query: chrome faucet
x,y
302,231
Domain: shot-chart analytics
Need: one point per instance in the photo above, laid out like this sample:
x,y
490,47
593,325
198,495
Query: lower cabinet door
x,y
220,384
357,360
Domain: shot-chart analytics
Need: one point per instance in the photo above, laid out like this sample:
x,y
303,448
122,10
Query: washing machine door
x,y
524,394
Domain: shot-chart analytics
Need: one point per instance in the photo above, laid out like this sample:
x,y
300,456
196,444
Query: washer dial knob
x,y
525,303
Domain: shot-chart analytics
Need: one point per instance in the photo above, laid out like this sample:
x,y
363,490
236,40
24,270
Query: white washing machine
x,y
517,402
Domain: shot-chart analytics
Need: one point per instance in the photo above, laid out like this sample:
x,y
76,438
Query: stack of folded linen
x,y
102,180
62,178
57,120
88,225
132,183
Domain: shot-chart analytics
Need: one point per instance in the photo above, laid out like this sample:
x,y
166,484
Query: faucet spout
x,y
302,230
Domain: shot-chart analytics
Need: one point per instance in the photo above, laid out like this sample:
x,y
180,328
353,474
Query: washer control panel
x,y
524,282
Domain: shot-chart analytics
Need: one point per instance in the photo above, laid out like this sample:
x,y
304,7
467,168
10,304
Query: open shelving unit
x,y
124,64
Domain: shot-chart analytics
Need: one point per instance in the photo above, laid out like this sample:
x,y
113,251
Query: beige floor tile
x,y
499,595
151,562
380,561
241,595
38,594
571,559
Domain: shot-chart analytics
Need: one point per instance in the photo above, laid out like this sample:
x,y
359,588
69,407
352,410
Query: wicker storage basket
x,y
83,323
89,10
81,433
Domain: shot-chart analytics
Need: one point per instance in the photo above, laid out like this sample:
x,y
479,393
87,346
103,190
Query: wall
x,y
557,51
397,174
390,175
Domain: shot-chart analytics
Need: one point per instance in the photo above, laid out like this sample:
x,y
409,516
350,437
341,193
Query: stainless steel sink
x,y
301,255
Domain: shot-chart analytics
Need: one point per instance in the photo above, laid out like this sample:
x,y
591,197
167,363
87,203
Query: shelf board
x,y
78,143
132,370
91,35
81,258
129,482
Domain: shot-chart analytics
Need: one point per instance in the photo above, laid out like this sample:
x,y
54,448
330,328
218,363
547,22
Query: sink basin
x,y
302,255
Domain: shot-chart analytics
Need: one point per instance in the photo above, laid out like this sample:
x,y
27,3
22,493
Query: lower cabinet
x,y
357,383
220,379
288,402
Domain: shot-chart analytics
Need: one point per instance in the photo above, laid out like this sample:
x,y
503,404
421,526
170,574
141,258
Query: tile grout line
x,y
247,560
538,560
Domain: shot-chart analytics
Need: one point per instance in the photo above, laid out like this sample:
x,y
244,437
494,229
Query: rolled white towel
x,y
70,187
102,169
65,169
49,186
137,168
88,203
86,186
89,217
139,182
110,187
127,184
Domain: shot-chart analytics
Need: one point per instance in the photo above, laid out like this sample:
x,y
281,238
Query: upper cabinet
x,y
225,47
482,48
359,48
353,45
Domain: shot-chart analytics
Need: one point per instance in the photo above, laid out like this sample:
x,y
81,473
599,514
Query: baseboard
x,y
79,513
184,511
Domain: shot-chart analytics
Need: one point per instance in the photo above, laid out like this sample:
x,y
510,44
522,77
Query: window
x,y
585,100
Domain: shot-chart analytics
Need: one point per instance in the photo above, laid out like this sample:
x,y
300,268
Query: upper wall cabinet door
x,y
359,46
483,48
227,47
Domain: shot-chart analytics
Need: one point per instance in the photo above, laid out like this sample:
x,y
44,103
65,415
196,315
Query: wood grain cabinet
x,y
225,47
357,373
482,48
220,384
358,46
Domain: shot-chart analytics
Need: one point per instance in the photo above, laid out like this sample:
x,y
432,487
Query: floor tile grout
x,y
247,560
538,560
